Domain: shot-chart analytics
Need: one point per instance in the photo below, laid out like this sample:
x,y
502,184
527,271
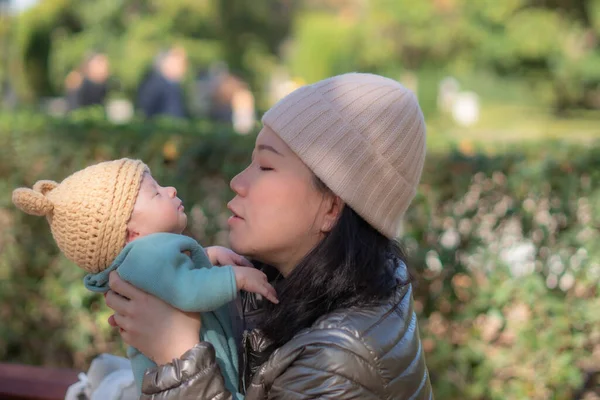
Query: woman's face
x,y
278,214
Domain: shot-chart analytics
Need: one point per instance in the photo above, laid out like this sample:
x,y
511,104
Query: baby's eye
x,y
157,194
266,169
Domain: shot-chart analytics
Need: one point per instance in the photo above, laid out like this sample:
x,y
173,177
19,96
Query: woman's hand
x,y
147,323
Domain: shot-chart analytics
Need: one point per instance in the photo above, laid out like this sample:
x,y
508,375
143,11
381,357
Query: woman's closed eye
x,y
263,166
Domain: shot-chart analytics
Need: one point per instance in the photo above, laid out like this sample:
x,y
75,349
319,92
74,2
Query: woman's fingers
x,y
123,288
121,321
117,303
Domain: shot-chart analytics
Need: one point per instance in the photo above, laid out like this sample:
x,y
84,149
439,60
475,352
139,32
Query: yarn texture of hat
x,y
363,135
88,211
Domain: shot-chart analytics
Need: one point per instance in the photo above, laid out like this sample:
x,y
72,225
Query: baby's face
x,y
157,209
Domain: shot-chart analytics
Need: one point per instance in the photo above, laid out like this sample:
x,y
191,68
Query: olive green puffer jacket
x,y
357,353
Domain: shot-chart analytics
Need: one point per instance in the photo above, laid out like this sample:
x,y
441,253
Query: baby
x,y
114,216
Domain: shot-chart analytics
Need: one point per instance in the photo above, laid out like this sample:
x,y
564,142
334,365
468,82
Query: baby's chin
x,y
182,228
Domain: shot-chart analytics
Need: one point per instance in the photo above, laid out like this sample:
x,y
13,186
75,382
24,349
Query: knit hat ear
x,y
44,186
34,201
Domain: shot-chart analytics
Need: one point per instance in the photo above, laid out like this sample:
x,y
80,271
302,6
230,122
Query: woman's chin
x,y
235,244
244,249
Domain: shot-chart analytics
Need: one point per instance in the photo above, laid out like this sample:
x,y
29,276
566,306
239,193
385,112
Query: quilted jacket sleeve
x,y
325,370
196,375
334,364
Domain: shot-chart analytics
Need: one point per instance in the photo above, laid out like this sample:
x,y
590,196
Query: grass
x,y
513,111
502,125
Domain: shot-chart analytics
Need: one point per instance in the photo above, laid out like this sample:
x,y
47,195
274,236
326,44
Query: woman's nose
x,y
238,185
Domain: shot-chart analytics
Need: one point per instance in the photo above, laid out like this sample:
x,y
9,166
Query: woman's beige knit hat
x,y
363,135
88,211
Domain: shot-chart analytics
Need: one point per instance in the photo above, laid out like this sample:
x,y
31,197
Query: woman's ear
x,y
335,206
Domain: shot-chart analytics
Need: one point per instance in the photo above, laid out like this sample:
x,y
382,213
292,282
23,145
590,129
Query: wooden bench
x,y
25,382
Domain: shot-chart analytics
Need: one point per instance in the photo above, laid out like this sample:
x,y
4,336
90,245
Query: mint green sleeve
x,y
156,264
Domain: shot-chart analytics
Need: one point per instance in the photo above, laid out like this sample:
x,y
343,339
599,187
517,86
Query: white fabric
x,y
118,385
108,378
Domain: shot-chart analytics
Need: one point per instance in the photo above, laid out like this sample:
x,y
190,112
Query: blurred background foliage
x,y
502,235
551,45
50,39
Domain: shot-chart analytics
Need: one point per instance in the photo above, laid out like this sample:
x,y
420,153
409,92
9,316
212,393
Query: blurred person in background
x,y
88,85
243,116
225,97
161,92
224,87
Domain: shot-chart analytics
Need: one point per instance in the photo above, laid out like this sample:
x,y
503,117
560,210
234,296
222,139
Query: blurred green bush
x,y
550,48
503,248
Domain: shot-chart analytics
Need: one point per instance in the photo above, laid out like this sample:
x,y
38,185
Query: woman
x,y
333,171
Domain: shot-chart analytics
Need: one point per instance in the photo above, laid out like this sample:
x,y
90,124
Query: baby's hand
x,y
254,281
219,255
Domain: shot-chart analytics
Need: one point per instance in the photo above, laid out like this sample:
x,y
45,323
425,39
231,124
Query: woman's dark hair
x,y
354,265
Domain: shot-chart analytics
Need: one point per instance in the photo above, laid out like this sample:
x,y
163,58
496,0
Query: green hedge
x,y
504,249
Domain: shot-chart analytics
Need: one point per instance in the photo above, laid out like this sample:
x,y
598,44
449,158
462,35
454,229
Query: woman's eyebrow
x,y
269,148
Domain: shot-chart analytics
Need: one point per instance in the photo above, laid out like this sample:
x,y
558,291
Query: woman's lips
x,y
235,217
235,214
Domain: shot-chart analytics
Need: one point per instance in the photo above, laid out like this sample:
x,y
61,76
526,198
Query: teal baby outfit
x,y
157,265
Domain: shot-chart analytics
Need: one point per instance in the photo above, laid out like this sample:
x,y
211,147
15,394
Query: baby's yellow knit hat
x,y
88,211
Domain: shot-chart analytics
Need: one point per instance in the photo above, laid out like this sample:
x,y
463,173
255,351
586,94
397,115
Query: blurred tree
x,y
551,44
554,44
244,24
5,28
55,35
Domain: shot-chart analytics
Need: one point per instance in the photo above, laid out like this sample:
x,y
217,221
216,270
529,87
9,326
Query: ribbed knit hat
x,y
363,135
88,211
